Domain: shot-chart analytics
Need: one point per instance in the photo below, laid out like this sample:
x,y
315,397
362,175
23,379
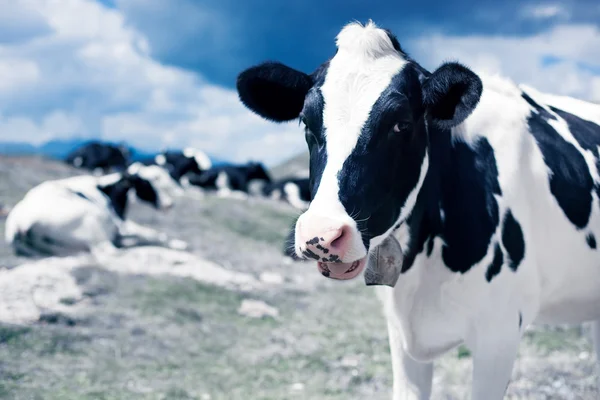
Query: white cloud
x,y
80,69
91,74
544,11
522,58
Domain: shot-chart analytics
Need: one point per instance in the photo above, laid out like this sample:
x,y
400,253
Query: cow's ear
x,y
450,94
274,91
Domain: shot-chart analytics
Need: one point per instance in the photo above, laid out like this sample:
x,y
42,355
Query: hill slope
x,y
150,325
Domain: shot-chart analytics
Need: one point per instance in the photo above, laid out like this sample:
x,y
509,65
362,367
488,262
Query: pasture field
x,y
142,329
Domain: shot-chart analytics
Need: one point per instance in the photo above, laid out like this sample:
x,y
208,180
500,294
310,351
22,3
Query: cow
x,y
490,188
87,214
293,190
179,163
99,157
232,180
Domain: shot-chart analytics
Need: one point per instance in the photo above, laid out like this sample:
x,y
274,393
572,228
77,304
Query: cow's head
x,y
368,114
153,185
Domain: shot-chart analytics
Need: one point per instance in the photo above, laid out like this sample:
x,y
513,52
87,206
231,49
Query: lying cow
x,y
179,163
87,214
293,190
232,180
492,189
99,157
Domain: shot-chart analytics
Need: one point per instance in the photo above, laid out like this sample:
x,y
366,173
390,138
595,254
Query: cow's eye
x,y
400,127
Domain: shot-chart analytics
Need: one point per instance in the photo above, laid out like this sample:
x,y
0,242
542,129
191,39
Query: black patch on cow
x,y
471,210
145,191
586,133
309,254
273,90
570,181
591,240
95,154
462,181
323,249
82,195
384,167
314,132
430,245
539,109
313,241
513,240
520,320
117,193
334,258
496,265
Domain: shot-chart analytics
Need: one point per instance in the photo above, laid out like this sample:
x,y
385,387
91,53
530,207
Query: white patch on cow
x,y
222,181
255,187
201,158
361,70
203,161
292,192
160,159
78,161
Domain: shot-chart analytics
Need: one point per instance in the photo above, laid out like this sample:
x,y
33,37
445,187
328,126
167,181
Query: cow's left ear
x,y
450,94
273,90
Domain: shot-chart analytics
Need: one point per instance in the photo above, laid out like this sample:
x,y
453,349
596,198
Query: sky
x,y
161,73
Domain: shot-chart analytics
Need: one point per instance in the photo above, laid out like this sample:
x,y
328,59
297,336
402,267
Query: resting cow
x,y
87,214
492,189
99,157
232,180
179,163
293,190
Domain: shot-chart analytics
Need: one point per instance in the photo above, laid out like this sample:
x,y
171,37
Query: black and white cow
x,y
87,214
232,180
295,191
99,157
493,191
179,163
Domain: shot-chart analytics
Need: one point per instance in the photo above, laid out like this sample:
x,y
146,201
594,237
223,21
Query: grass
x,y
175,338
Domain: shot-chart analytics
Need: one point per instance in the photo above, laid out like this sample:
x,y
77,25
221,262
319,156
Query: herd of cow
x,y
192,167
87,213
488,191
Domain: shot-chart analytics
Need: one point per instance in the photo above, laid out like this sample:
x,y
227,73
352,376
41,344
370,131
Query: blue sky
x,y
162,72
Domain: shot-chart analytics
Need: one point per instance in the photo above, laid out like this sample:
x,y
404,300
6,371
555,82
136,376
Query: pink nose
x,y
322,238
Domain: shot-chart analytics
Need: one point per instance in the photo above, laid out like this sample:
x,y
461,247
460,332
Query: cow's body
x,y
295,191
98,157
86,214
232,180
491,190
180,163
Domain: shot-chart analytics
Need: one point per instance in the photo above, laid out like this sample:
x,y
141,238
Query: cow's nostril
x,y
339,239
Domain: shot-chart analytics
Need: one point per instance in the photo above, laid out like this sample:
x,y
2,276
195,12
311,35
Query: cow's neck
x,y
456,203
118,195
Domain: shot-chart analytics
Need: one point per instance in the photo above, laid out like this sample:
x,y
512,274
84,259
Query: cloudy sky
x,y
161,73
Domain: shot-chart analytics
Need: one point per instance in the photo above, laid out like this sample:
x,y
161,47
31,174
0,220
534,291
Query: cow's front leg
x,y
412,379
494,354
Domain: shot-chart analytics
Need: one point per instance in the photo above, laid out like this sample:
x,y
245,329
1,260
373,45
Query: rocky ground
x,y
230,319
